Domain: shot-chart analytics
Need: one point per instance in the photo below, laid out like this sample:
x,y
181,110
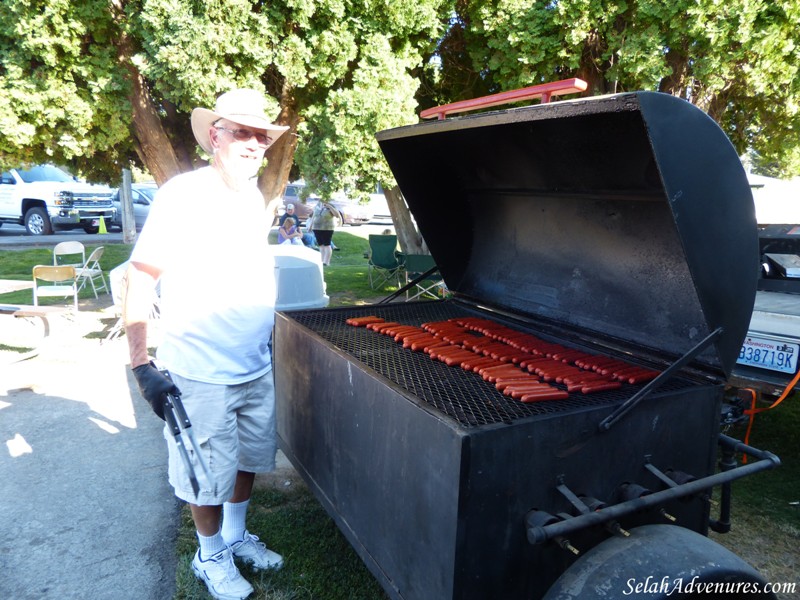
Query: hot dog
x,y
430,349
455,360
551,394
479,362
420,341
503,382
641,378
519,392
590,388
379,325
363,321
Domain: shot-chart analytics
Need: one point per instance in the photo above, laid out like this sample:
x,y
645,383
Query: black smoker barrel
x,y
620,226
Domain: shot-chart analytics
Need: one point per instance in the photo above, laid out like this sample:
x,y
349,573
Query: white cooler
x,y
298,272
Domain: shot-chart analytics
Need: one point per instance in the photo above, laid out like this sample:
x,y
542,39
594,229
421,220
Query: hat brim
x,y
202,119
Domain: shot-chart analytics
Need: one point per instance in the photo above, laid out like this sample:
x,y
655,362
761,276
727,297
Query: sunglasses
x,y
245,135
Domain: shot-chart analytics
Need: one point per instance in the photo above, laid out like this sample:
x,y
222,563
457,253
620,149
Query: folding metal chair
x,y
69,253
54,281
92,272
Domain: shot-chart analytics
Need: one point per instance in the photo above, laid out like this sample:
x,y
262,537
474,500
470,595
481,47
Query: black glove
x,y
153,384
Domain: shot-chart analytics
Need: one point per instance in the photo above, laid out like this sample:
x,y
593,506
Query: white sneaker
x,y
256,553
221,576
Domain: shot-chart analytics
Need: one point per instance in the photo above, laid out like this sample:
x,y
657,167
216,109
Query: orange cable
x,y
754,411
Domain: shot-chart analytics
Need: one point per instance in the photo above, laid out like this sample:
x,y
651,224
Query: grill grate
x,y
462,395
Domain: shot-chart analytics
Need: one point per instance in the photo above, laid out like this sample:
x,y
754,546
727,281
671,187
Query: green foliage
x,y
191,51
338,149
350,69
738,60
345,68
62,91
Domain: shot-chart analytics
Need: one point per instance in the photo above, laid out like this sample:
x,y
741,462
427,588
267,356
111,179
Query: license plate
x,y
769,354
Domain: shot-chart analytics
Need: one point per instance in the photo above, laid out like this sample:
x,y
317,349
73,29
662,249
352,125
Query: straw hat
x,y
243,106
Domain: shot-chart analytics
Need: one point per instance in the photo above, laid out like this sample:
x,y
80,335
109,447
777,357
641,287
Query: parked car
x,y
302,208
142,196
379,205
353,212
44,198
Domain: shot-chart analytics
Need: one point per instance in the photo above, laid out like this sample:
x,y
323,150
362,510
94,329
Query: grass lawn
x,y
321,565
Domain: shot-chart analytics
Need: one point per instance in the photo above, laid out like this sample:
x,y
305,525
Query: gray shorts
x,y
234,425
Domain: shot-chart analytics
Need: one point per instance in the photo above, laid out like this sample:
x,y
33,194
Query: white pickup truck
x,y
43,198
768,360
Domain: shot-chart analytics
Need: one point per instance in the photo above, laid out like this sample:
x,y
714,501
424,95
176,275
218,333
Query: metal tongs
x,y
181,428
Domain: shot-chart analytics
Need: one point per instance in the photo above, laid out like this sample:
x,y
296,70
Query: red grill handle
x,y
544,91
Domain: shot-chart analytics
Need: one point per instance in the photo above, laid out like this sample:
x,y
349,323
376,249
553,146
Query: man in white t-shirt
x,y
217,287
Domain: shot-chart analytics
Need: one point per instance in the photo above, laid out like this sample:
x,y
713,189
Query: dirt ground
x,y
770,548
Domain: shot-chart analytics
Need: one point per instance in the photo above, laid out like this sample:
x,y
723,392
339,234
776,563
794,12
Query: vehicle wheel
x,y
665,562
37,222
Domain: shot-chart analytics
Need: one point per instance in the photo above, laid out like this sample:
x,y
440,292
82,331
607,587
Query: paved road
x,y
85,508
14,237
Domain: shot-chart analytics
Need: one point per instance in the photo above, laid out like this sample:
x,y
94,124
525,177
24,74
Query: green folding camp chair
x,y
428,287
385,262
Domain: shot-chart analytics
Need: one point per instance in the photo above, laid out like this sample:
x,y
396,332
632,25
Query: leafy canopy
x,y
736,59
339,70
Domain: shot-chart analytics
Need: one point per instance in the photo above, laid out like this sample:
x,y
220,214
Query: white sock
x,y
233,521
210,545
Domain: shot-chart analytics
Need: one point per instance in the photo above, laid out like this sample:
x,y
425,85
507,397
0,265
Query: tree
x,y
738,60
98,85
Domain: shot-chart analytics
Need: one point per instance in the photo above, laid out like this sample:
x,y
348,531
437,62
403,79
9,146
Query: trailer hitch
x,y
538,533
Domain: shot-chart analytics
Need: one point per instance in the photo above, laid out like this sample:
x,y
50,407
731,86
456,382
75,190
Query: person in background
x,y
289,234
216,338
323,222
288,214
307,237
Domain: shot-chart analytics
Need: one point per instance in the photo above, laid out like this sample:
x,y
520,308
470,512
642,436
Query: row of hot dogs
x,y
519,364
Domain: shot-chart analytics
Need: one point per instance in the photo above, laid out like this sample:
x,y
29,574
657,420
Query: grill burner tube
x,y
767,460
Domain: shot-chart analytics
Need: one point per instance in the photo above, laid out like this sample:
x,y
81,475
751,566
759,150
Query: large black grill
x,y
619,226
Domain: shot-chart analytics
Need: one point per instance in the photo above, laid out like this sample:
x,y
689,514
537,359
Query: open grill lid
x,y
627,216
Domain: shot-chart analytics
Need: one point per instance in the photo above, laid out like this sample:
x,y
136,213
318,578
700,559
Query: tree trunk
x,y
280,155
591,70
151,141
153,145
676,82
408,236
